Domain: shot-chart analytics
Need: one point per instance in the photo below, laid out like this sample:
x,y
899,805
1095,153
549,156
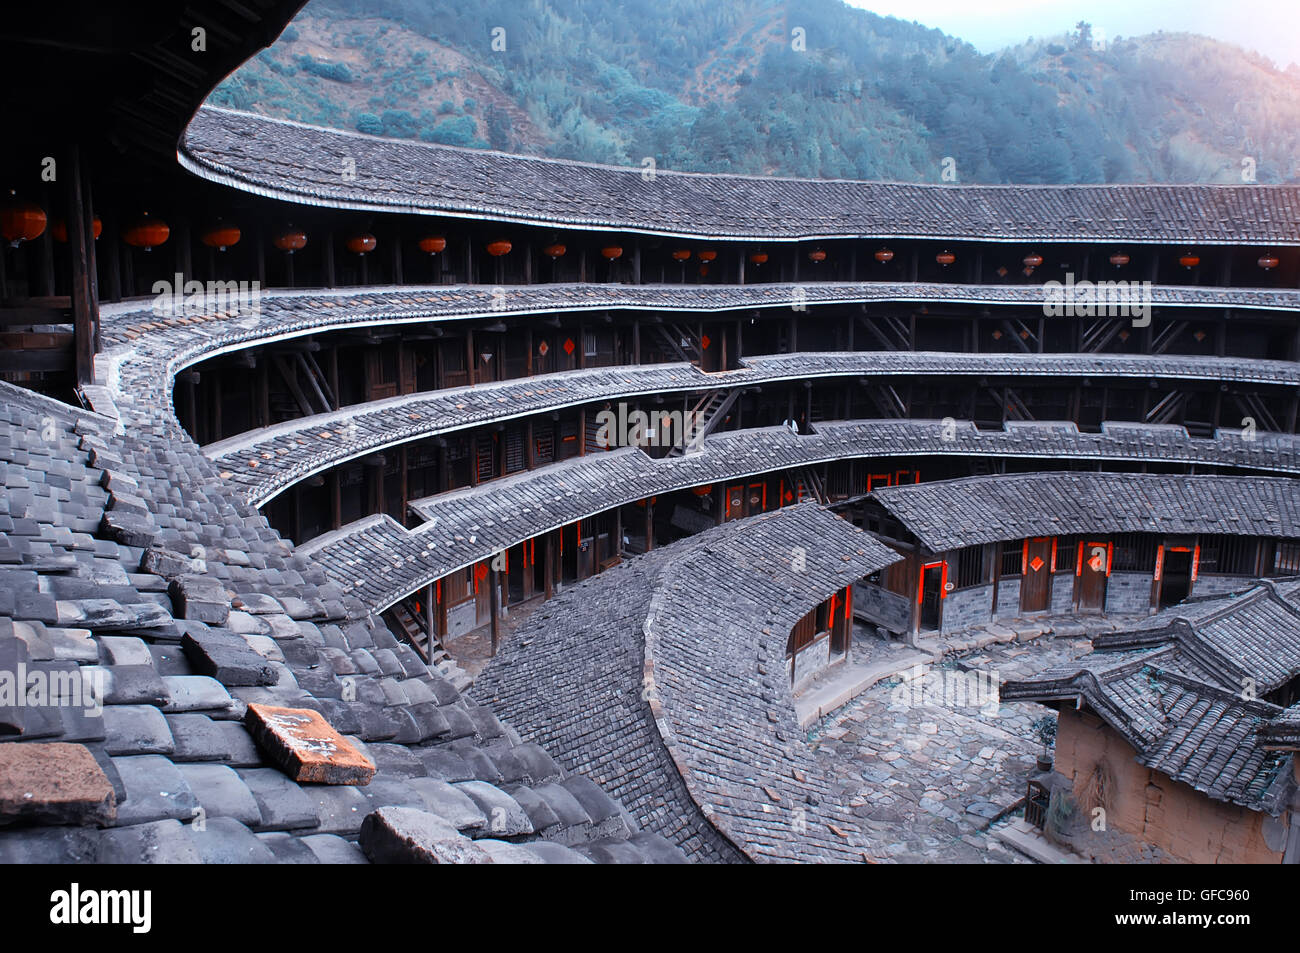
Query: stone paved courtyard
x,y
928,763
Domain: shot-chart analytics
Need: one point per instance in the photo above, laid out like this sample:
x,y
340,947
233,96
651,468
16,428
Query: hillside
x,y
723,86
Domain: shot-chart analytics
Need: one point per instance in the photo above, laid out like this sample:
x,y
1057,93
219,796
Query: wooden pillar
x,y
81,245
649,524
617,549
494,604
636,264
329,259
548,573
397,261
442,615
469,355
336,500
636,342
431,617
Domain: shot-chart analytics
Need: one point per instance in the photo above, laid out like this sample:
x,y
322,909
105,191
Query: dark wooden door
x,y
932,597
1175,576
1036,583
1094,562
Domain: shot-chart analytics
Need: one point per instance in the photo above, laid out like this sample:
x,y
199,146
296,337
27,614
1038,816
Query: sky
x,y
1272,28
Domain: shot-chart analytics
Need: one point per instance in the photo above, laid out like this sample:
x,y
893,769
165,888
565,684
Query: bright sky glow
x,y
1271,28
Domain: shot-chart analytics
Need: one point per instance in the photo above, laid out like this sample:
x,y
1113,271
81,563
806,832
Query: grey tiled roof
x,y
953,513
123,556
302,163
288,452
674,662
381,561
1175,688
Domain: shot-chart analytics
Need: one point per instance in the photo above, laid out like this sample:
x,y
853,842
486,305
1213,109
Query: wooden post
x,y
470,359
548,565
329,259
494,607
649,524
85,310
336,500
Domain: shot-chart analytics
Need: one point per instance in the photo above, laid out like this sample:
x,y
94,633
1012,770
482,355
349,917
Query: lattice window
x,y
1013,557
1286,559
1228,555
1134,552
1066,554
970,567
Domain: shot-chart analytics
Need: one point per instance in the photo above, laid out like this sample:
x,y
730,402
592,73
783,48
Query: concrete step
x,y
1027,839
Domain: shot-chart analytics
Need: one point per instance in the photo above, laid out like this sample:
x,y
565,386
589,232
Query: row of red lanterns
x,y
25,221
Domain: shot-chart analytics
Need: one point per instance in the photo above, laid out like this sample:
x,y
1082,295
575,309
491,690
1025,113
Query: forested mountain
x,y
790,87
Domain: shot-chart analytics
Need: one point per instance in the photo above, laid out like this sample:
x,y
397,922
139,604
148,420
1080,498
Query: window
x,y
1066,554
1228,555
1286,559
589,343
1013,556
970,567
1134,552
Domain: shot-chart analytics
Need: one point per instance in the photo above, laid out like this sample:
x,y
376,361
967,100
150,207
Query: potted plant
x,y
1045,729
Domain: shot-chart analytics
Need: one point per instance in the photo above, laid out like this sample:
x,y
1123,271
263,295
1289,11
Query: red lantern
x,y
432,244
147,233
59,229
1033,260
945,258
682,254
498,248
1189,260
816,255
1119,259
1268,262
361,244
221,236
759,258
554,251
708,255
610,252
884,256
20,220
290,240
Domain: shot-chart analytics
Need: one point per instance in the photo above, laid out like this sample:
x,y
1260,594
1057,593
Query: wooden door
x,y
1036,580
1094,566
933,577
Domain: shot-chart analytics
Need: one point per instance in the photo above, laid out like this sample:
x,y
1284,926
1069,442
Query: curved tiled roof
x,y
294,450
127,563
300,163
464,526
674,663
956,513
1172,686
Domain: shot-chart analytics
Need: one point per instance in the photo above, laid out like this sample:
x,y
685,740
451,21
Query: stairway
x,y
407,625
708,412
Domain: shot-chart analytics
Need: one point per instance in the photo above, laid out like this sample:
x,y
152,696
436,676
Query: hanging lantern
x,y
1268,262
682,254
816,255
884,256
708,255
759,258
146,232
1189,260
20,220
704,271
221,236
59,229
290,240
945,258
1033,260
554,251
1119,259
498,248
610,252
362,243
432,244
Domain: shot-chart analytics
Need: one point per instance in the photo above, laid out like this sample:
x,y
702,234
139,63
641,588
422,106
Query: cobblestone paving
x,y
925,772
